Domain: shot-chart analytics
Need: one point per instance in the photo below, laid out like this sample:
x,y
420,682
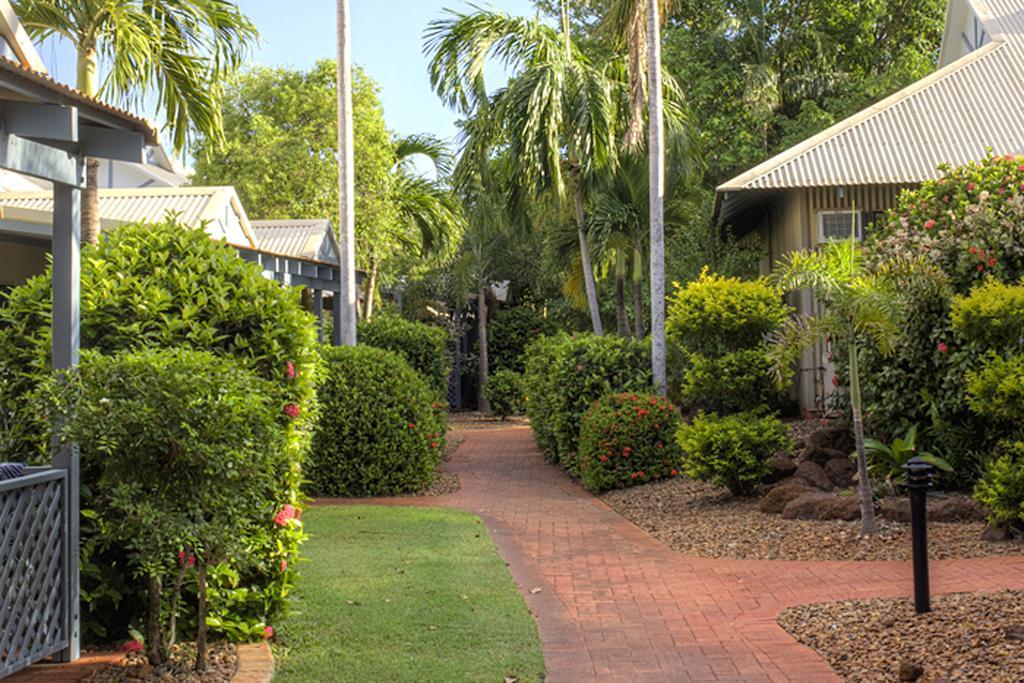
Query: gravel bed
x,y
444,483
966,637
221,665
474,420
698,519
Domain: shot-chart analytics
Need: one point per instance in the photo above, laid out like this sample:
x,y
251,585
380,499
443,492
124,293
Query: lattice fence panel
x,y
32,528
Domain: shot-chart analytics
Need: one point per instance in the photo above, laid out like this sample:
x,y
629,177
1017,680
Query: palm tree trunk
x,y
371,291
867,504
639,328
621,319
588,270
346,182
483,362
154,644
88,83
201,618
656,150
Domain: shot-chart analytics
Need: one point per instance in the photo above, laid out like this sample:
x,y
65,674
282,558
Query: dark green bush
x,y
381,431
732,451
185,453
628,438
736,381
566,374
509,334
424,347
166,285
1001,488
504,391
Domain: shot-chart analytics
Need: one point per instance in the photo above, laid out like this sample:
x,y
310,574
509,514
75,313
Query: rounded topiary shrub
x,y
510,332
732,451
1001,487
380,432
733,382
504,391
628,438
424,347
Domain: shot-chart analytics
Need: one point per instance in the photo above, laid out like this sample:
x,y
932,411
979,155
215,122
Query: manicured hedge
x,y
566,374
509,334
504,391
628,438
424,347
381,431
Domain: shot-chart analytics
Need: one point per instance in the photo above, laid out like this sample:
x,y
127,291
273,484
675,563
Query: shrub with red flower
x,y
291,410
622,444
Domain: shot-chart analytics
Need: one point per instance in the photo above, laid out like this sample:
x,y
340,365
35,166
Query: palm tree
x,y
859,305
180,49
346,182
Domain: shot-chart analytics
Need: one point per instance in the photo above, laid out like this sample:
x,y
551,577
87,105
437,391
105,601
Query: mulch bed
x,y
966,637
221,664
698,519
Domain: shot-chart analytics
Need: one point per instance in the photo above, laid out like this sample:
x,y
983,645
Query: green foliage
x,y
732,451
627,438
885,462
734,382
714,314
381,431
504,391
996,390
992,315
424,347
1001,488
183,452
510,332
969,223
566,374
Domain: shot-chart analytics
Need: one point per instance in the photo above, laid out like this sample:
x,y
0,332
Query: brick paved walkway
x,y
617,605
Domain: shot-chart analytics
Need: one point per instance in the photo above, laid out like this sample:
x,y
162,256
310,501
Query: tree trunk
x,y
639,328
370,291
346,182
656,150
483,363
588,271
154,644
91,202
201,618
172,617
621,319
867,504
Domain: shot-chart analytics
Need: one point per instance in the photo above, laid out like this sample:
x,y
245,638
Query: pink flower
x,y
825,422
132,646
942,347
268,632
971,187
289,370
285,514
411,425
291,410
284,565
186,559
835,380
929,224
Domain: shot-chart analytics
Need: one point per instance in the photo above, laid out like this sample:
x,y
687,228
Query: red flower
x,y
411,425
633,476
992,262
289,369
626,451
286,513
268,632
291,410
132,646
604,458
929,224
654,401
675,473
971,187
942,347
945,198
284,565
433,444
981,267
641,474
835,380
657,425
973,250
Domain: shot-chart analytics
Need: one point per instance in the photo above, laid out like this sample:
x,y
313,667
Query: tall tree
x,y
180,49
346,183
656,152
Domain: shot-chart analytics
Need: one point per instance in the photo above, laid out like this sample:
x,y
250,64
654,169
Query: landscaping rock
x,y
813,474
841,471
910,671
822,506
1015,632
775,501
837,437
782,466
822,454
946,509
996,534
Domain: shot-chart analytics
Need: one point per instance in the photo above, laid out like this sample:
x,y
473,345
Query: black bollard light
x,y
919,480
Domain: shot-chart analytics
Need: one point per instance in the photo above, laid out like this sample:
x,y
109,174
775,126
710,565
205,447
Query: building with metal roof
x,y
309,239
847,175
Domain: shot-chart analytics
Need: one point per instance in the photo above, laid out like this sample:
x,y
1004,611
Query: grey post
x,y
318,311
66,314
338,311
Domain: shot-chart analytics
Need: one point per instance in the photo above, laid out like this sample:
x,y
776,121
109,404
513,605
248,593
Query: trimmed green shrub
x,y
381,431
714,315
996,391
504,391
566,374
162,286
185,454
626,439
1001,488
992,315
510,332
736,381
424,347
732,451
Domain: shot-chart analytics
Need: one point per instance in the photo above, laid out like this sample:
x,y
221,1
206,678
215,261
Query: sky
x,y
387,40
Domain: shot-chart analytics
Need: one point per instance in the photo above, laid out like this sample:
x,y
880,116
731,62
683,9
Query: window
x,y
836,225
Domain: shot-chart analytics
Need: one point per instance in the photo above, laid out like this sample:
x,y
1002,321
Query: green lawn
x,y
404,594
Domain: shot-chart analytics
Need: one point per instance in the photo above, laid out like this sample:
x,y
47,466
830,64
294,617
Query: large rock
x,y
813,474
782,466
822,506
910,671
945,509
995,533
841,471
821,454
837,437
775,501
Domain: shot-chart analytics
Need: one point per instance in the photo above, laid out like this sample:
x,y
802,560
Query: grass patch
x,y
404,594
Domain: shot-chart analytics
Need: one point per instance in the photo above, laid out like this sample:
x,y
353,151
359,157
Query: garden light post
x,y
919,480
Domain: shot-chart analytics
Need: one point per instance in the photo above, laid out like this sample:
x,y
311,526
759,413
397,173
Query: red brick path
x,y
617,605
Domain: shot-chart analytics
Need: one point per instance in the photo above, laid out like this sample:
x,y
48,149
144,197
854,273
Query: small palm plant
x,y
859,306
887,460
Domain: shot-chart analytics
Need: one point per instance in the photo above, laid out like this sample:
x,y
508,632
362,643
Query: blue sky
x,y
387,39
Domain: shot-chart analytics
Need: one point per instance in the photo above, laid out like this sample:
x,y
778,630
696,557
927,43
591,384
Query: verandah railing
x,y
34,568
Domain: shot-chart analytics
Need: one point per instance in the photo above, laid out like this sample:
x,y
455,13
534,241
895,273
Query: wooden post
x,y
318,311
67,229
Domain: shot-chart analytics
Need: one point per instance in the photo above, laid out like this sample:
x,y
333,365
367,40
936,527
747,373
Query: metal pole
x,y
919,480
318,311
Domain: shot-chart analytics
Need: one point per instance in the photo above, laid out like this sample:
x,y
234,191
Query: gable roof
x,y
301,238
953,115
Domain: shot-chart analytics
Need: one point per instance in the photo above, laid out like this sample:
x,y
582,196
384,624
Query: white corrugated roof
x,y
954,115
302,238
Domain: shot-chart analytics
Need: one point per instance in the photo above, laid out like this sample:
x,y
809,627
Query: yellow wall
x,y
20,261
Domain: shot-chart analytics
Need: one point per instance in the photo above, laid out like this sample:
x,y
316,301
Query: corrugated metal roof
x,y
302,238
149,205
953,115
